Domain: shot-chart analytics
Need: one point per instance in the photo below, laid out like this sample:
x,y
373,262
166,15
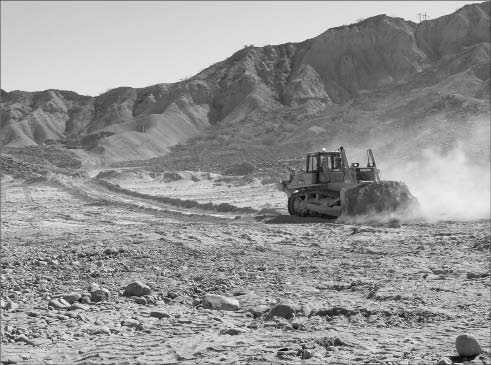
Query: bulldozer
x,y
332,188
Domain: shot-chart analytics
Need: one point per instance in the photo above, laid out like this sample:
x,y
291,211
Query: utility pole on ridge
x,y
422,16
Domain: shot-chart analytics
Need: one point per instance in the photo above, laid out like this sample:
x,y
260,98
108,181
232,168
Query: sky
x,y
92,46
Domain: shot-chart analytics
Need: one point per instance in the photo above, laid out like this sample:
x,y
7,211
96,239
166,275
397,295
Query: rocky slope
x,y
279,94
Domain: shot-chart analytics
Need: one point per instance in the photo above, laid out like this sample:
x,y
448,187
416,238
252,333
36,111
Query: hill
x,y
381,81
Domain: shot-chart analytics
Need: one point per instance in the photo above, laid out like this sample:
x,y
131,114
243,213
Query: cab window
x,y
312,164
336,163
324,163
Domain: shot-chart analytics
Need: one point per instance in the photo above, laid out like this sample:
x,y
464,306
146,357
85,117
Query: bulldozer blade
x,y
378,197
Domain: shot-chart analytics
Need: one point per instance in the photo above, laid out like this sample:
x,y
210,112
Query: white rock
x,y
98,330
232,331
93,287
130,322
444,361
59,303
259,310
80,306
214,301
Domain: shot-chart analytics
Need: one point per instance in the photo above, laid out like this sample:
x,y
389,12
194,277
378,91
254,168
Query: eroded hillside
x,y
382,77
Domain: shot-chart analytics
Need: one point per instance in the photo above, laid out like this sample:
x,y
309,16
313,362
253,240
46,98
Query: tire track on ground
x,y
93,192
182,203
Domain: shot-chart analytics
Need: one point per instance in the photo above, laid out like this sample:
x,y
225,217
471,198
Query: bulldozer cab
x,y
318,161
327,166
332,167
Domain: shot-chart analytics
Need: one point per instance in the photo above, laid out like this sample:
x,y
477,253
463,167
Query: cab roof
x,y
324,153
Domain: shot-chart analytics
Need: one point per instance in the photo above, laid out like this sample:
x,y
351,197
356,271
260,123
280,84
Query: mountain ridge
x,y
314,76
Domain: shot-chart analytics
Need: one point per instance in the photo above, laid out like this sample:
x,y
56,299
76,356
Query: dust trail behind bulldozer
x,y
448,186
449,177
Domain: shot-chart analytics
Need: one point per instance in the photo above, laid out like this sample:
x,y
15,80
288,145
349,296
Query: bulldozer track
x,y
304,194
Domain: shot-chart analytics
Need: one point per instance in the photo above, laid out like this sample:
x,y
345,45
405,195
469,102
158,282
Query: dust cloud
x,y
448,186
452,185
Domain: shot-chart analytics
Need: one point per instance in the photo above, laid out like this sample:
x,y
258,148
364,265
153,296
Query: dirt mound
x,y
381,197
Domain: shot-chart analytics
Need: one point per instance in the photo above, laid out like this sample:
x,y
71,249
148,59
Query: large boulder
x,y
72,297
467,345
100,295
283,310
137,289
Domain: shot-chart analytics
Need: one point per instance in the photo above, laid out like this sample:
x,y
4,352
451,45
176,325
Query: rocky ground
x,y
227,286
